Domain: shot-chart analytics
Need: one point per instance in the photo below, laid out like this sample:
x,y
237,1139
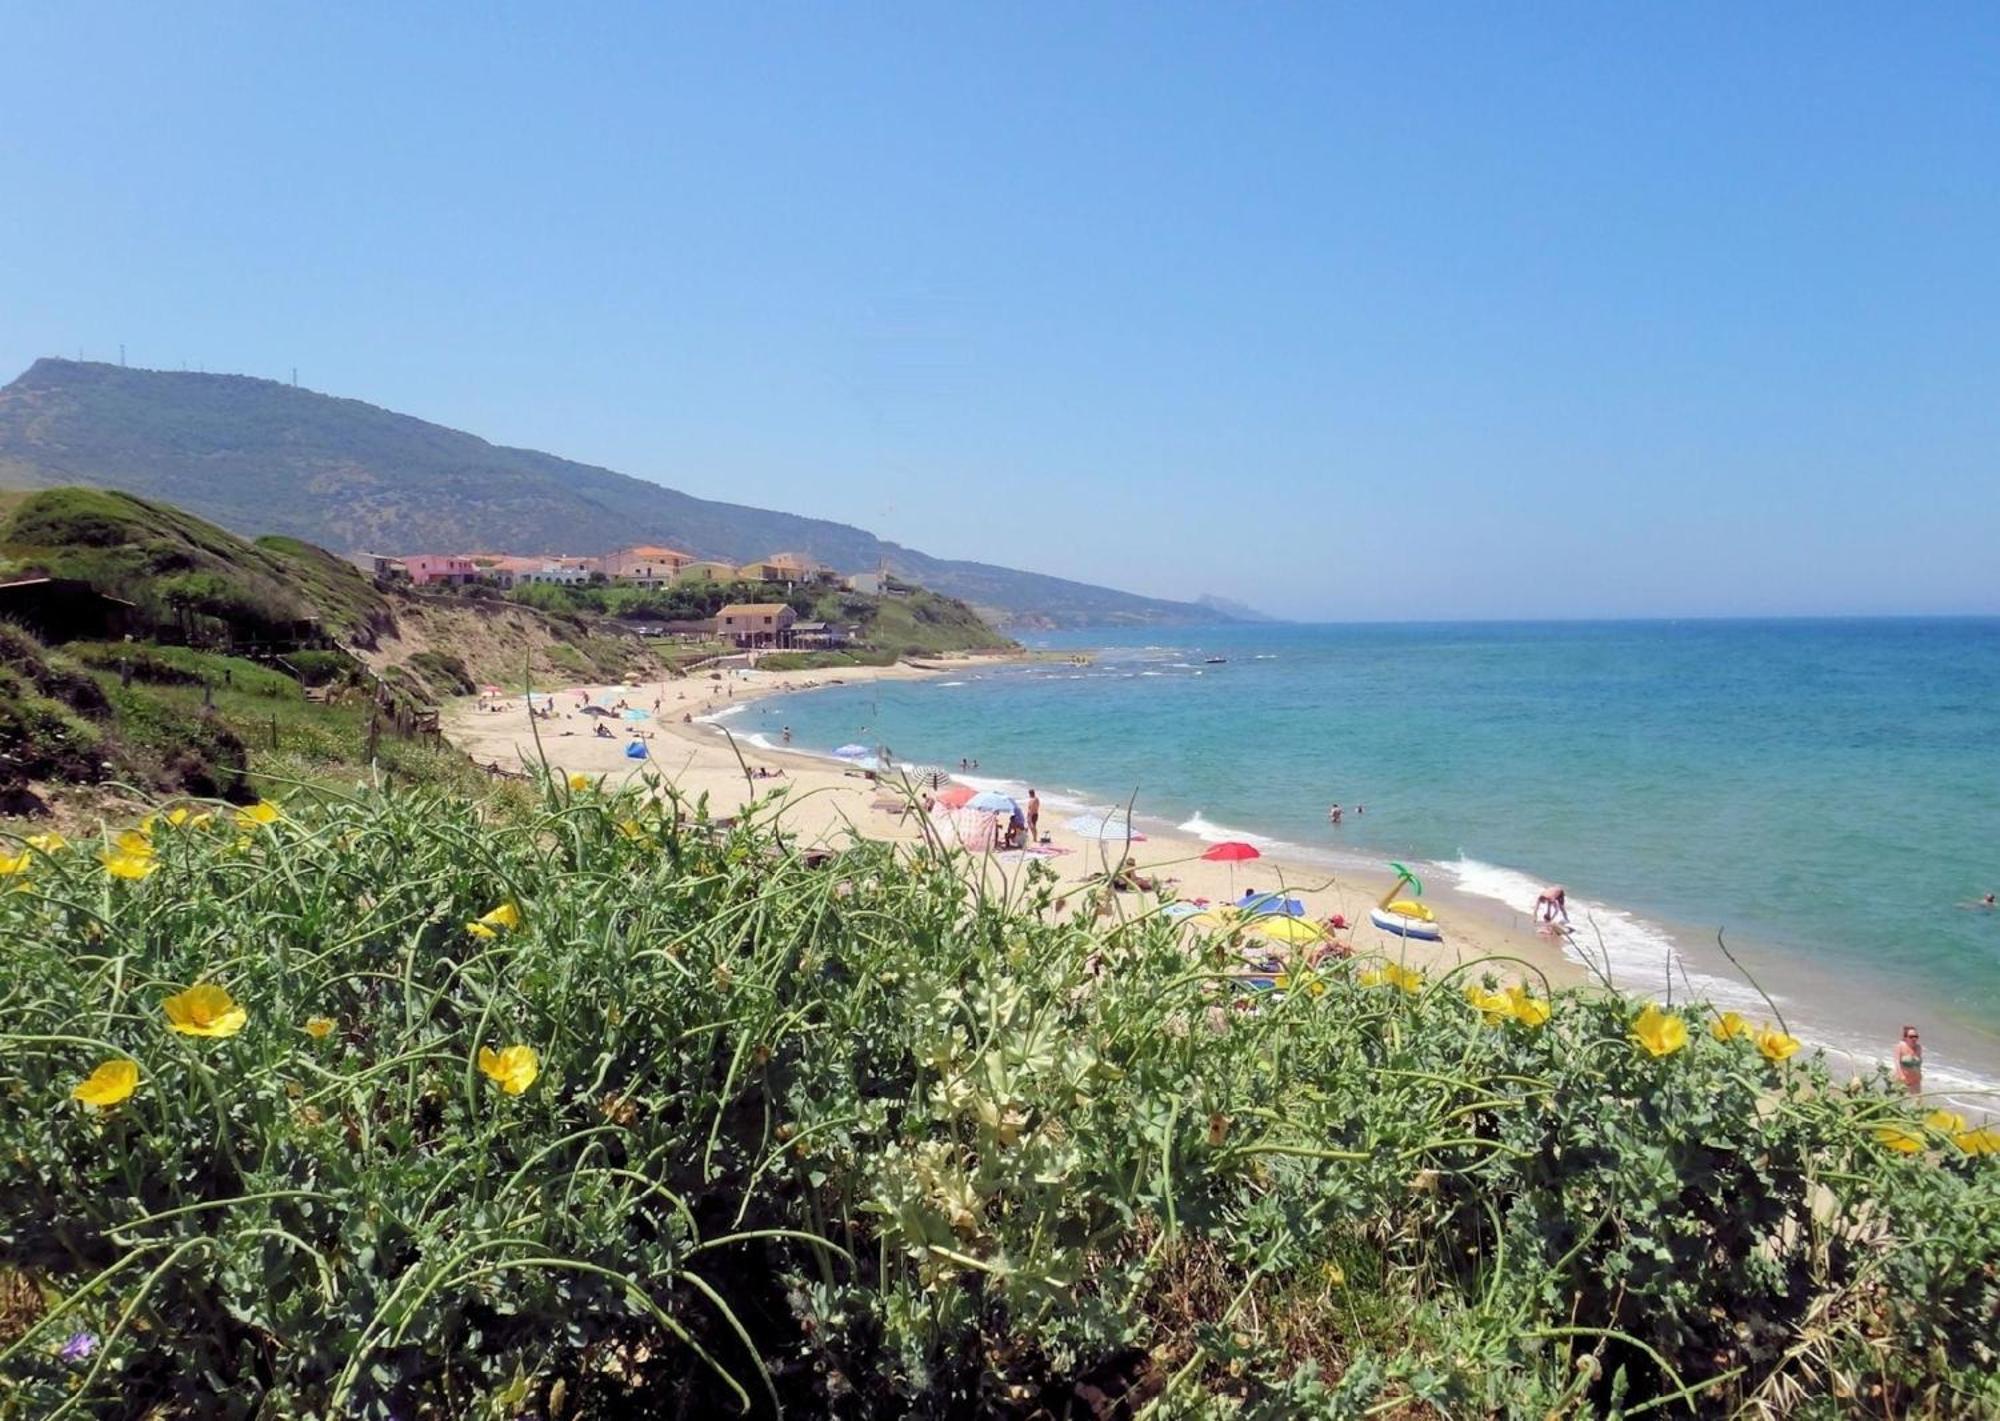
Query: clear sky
x,y
1407,310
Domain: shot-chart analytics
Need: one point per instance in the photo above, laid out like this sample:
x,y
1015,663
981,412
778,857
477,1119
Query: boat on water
x,y
1215,660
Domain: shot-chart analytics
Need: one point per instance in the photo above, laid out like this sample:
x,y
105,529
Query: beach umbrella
x,y
855,752
597,711
1295,931
489,690
1214,919
925,777
993,802
1231,852
956,796
1105,826
1270,905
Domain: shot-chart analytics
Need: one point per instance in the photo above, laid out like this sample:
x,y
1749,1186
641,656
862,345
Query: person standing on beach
x,y
1333,815
1909,1059
1552,904
1034,818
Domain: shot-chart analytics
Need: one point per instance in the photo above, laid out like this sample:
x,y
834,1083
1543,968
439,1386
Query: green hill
x,y
258,455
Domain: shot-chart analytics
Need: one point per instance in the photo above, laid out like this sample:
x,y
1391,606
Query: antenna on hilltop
x,y
121,355
295,377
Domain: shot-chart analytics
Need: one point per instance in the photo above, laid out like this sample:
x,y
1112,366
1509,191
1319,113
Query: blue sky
x,y
1351,312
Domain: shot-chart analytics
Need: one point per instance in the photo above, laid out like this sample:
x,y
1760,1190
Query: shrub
x,y
861,1140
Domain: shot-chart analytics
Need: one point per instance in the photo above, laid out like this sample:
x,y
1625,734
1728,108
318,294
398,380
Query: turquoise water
x,y
1827,791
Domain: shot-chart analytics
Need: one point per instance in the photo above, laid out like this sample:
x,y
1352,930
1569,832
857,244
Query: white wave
x,y
1209,832
950,683
1152,673
759,740
727,711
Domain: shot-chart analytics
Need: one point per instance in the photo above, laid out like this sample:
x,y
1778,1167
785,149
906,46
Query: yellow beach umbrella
x,y
1214,919
1295,931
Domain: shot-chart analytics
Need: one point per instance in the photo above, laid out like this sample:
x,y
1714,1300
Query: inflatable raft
x,y
1407,918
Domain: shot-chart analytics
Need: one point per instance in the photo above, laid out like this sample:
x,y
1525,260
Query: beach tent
x,y
636,750
976,829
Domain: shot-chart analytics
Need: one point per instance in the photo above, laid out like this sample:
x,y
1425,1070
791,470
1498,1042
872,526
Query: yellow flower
x,y
1983,1141
1730,1027
1945,1120
257,815
204,1010
1900,1138
1660,1033
128,865
1776,1045
579,782
1529,1011
1407,978
319,1027
1309,984
635,831
514,1067
1494,1006
138,843
489,924
11,864
47,843
110,1083
185,818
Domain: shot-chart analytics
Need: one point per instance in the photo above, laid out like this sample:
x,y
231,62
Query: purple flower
x,y
78,1347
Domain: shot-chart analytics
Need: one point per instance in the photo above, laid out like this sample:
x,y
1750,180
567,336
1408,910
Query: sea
x,y
1824,796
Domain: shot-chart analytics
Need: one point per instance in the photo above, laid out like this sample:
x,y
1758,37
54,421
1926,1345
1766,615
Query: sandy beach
x,y
828,803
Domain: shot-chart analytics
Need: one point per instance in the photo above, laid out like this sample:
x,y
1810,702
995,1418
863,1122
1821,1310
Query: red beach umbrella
x,y
1231,852
956,796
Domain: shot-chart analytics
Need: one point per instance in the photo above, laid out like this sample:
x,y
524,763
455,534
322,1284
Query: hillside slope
x,y
259,455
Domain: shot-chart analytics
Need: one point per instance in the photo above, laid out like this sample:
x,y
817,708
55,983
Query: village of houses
x,y
747,625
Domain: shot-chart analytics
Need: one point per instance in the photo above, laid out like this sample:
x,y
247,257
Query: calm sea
x,y
1827,792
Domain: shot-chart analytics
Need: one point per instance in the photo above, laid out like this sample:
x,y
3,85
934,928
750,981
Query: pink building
x,y
426,568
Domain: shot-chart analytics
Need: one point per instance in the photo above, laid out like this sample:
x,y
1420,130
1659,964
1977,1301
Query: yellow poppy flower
x,y
1660,1033
11,864
1493,1006
319,1027
1529,1011
128,865
1948,1121
110,1083
185,818
1730,1027
1900,1138
1983,1141
257,815
514,1068
1775,1045
205,1010
579,782
488,925
1407,979
48,843
137,843
1310,984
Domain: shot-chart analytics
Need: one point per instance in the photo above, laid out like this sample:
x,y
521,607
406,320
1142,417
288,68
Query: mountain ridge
x,y
258,455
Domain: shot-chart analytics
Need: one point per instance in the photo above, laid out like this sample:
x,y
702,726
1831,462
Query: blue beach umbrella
x,y
992,802
1257,904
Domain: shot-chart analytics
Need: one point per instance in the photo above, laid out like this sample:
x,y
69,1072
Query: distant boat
x,y
1214,660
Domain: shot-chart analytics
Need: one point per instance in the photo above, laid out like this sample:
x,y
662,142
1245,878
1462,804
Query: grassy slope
x,y
878,1145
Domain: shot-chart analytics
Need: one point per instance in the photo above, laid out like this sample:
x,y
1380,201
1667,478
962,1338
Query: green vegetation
x,y
259,455
917,623
589,1106
186,573
824,660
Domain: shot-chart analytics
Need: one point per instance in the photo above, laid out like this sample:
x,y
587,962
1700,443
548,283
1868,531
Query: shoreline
x,y
828,800
831,799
